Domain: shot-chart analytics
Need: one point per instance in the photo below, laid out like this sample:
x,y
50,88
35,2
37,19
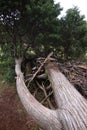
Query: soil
x,y
12,114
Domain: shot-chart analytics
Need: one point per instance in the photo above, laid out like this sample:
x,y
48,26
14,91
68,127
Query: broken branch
x,y
41,66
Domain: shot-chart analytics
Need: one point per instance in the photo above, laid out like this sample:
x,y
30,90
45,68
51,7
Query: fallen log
x,y
71,112
72,105
76,73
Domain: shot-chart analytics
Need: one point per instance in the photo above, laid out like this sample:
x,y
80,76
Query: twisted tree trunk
x,y
72,107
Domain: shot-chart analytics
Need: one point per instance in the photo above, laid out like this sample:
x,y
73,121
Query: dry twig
x,y
46,96
34,75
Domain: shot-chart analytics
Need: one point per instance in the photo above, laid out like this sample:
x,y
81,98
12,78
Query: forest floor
x,y
12,113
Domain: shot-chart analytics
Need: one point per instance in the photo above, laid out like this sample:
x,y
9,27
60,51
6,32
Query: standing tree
x,y
73,33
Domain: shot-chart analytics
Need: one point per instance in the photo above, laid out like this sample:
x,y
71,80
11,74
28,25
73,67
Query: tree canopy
x,y
31,24
34,26
73,33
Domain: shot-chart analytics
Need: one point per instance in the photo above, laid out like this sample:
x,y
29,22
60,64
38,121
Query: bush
x,y
9,75
7,69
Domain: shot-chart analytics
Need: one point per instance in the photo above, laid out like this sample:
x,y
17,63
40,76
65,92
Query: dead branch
x,y
42,76
48,87
29,78
41,66
82,67
46,96
35,92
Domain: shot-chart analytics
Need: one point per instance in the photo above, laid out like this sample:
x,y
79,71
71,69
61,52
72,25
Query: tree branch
x,y
48,57
45,117
46,96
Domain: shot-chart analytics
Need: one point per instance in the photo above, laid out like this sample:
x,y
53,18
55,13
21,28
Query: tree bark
x,y
72,105
71,113
44,117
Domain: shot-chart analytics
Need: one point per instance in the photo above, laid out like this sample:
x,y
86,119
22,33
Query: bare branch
x,y
46,96
41,66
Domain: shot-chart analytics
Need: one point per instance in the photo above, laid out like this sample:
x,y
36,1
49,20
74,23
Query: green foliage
x,y
9,77
73,34
42,23
7,67
31,22
34,26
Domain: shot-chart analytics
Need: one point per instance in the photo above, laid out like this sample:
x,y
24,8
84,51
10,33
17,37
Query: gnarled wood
x,y
45,117
72,107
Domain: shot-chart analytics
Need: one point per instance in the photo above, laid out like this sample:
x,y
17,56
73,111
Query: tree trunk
x,y
71,113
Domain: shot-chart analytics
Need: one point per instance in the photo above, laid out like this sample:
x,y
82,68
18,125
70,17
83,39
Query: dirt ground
x,y
12,113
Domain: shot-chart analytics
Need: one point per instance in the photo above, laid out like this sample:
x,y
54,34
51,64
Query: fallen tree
x,y
76,73
71,112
